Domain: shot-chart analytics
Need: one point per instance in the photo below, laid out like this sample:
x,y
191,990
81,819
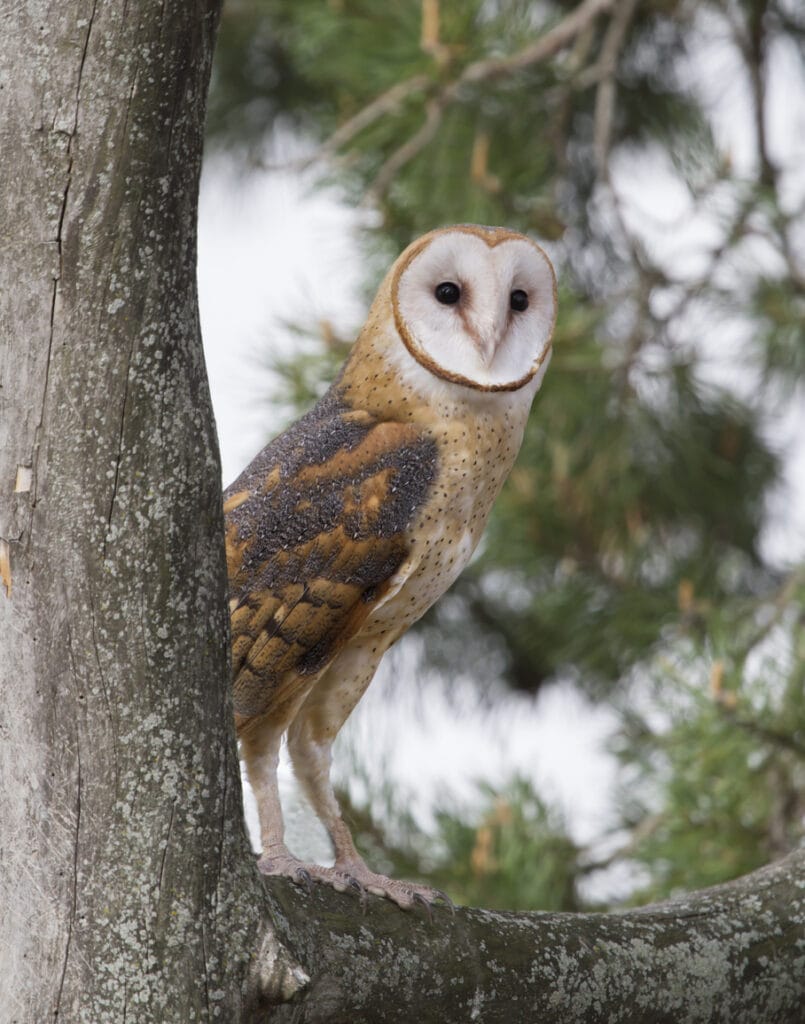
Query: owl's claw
x,y
356,886
341,881
439,894
420,899
303,877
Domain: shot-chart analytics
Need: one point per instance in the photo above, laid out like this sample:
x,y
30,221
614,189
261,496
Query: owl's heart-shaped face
x,y
476,306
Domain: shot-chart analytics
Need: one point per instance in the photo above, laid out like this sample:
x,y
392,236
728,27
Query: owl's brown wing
x,y
315,533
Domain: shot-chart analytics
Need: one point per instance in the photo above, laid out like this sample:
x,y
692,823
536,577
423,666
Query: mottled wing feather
x,y
315,533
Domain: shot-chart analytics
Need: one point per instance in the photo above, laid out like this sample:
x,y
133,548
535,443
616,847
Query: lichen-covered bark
x,y
126,888
734,954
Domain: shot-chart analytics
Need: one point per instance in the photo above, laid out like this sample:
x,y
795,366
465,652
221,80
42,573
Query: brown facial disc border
x,y
492,237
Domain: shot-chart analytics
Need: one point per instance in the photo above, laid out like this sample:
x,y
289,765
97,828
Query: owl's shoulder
x,y
339,482
336,447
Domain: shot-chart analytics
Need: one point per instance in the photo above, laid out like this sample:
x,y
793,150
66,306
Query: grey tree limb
x,y
734,953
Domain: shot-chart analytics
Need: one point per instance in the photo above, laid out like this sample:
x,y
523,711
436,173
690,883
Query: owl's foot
x,y
404,894
357,878
306,874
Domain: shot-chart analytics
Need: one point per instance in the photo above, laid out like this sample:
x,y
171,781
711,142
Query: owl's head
x,y
476,306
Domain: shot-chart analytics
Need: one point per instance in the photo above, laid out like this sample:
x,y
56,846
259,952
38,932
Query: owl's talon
x,y
439,894
357,887
419,898
303,877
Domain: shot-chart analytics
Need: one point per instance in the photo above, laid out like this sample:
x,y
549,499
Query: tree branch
x,y
386,103
546,46
753,48
605,93
735,953
406,152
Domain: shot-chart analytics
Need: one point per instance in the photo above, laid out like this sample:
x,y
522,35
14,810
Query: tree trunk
x,y
126,884
127,890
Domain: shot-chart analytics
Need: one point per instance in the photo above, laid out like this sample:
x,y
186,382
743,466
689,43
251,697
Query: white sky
x,y
270,250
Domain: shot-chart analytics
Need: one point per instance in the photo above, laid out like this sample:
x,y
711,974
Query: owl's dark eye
x,y
448,293
518,300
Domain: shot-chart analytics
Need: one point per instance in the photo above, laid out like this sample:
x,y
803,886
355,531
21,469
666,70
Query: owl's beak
x,y
486,321
487,346
487,335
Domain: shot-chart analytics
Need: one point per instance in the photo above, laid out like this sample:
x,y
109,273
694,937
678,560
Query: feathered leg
x,y
310,739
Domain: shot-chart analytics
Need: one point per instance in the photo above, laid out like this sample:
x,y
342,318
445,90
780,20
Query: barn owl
x,y
348,526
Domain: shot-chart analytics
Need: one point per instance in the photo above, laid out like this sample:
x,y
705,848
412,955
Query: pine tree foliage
x,y
628,552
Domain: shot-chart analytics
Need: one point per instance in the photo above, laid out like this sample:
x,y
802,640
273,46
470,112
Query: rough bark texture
x,y
127,891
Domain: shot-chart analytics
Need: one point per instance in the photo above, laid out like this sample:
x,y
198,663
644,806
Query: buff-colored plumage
x,y
346,528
